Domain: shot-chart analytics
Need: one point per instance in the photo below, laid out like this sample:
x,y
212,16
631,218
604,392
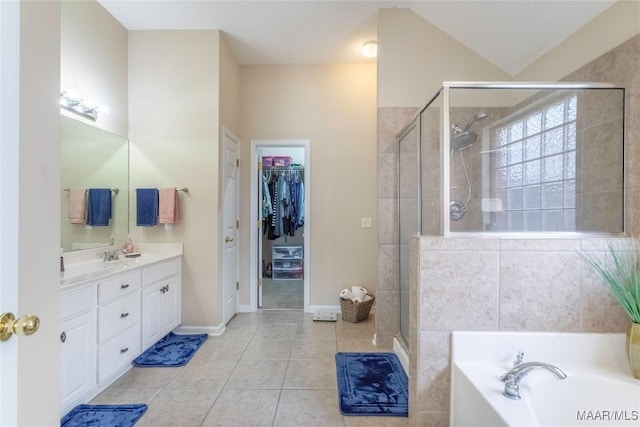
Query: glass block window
x,y
533,167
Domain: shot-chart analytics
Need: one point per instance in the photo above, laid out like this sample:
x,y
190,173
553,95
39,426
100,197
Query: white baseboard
x,y
245,309
213,331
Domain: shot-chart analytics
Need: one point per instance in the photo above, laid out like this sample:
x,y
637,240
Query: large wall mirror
x,y
93,158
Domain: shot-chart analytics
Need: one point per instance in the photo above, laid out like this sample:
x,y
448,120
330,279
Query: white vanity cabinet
x,y
77,344
118,324
161,300
109,319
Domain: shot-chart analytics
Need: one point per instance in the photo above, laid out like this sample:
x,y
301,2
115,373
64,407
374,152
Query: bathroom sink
x,y
81,271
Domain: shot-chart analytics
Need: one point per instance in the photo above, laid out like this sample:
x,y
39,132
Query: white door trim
x,y
253,215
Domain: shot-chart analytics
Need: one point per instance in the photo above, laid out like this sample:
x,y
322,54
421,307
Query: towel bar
x,y
115,190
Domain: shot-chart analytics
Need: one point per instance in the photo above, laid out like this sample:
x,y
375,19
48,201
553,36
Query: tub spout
x,y
513,377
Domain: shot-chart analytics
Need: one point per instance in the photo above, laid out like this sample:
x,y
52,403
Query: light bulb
x,y
370,49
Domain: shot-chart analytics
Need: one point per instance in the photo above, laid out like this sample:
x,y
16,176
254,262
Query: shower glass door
x,y
408,214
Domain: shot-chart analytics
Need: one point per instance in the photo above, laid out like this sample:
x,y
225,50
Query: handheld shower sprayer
x,y
463,138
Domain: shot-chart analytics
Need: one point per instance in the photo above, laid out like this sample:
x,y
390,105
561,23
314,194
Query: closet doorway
x,y
280,208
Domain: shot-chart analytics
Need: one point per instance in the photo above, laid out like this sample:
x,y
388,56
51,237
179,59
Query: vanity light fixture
x,y
370,49
78,106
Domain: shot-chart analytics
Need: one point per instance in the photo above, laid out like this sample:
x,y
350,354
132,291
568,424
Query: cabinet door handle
x,y
124,350
167,288
123,315
63,336
124,286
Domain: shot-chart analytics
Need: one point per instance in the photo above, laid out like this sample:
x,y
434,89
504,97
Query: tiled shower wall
x,y
518,276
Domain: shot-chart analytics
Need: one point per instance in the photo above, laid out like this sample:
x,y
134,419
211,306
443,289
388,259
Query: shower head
x,y
462,137
460,141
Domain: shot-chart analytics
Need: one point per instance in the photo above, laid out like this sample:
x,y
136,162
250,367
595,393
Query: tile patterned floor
x,y
270,368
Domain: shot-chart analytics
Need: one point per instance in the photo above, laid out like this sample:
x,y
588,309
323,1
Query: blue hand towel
x,y
98,207
147,207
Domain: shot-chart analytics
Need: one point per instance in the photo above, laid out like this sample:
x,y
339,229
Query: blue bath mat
x,y
103,415
372,384
172,350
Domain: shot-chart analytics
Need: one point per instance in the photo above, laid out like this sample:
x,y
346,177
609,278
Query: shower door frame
x,y
415,123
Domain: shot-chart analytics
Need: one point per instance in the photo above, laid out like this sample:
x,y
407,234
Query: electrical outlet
x,y
365,222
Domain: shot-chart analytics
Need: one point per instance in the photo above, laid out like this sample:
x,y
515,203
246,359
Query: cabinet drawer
x,y
117,286
156,272
118,352
117,316
77,300
287,252
288,265
288,274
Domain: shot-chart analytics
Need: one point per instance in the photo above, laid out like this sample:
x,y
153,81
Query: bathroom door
x,y
229,225
29,182
9,158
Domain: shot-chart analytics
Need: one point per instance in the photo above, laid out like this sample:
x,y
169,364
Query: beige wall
x,y
335,108
94,61
415,57
611,28
229,88
174,102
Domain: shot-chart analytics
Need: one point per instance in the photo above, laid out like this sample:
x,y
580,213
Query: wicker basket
x,y
355,311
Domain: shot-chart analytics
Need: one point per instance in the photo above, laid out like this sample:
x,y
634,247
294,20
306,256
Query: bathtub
x,y
599,389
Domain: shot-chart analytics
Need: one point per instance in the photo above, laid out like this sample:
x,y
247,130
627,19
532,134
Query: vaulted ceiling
x,y
511,34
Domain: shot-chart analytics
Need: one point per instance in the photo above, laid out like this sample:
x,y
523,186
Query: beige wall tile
x,y
540,291
433,370
458,290
387,176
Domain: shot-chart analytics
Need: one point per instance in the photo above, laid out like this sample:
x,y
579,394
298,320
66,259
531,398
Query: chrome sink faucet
x,y
520,370
110,256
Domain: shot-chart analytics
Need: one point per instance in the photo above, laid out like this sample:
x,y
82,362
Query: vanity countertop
x,y
88,265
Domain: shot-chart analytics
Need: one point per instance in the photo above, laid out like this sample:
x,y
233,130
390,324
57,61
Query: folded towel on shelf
x,y
77,205
169,212
98,207
147,207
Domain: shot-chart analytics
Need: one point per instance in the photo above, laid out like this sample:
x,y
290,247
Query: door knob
x,y
22,326
228,239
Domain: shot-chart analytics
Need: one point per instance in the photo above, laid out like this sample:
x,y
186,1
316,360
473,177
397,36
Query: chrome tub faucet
x,y
520,370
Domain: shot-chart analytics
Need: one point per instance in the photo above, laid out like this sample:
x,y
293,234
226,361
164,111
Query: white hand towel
x,y
346,294
77,205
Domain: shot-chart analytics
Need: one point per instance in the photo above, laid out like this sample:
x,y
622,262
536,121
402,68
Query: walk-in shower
x,y
484,157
